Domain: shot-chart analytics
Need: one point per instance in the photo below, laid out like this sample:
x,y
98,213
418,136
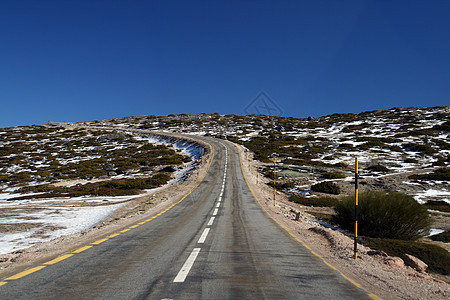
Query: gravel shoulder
x,y
384,276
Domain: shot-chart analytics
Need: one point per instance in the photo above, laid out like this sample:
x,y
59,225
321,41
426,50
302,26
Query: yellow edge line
x,y
25,273
58,259
100,241
351,281
306,246
82,249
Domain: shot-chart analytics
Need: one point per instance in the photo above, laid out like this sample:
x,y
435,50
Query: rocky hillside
x,y
402,149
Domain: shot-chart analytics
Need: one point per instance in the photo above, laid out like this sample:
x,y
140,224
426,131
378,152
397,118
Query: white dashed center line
x,y
202,238
181,276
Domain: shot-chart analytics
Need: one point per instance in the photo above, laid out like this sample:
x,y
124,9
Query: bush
x,y
423,148
377,168
411,161
438,205
441,174
441,237
437,258
384,215
314,201
332,175
443,127
326,187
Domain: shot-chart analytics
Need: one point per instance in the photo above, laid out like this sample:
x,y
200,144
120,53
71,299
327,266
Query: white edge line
x,y
181,276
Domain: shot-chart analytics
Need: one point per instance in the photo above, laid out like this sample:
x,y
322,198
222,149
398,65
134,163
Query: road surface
x,y
218,243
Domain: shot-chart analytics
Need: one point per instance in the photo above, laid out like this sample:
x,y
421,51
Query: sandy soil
x,y
384,276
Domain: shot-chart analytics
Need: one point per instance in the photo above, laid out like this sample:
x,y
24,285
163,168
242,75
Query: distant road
x,y
217,243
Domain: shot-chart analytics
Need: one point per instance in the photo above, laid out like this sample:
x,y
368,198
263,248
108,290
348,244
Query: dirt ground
x,y
385,277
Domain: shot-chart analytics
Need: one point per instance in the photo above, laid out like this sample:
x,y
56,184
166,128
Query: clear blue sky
x,y
91,60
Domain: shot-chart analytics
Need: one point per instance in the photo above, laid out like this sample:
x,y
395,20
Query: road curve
x,y
218,243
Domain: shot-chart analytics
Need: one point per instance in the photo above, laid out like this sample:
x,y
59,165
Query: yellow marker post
x,y
274,180
355,250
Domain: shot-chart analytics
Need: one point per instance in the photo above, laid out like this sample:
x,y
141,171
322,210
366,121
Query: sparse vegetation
x,y
54,153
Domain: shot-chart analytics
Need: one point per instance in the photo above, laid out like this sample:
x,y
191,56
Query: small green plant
x,y
327,187
384,215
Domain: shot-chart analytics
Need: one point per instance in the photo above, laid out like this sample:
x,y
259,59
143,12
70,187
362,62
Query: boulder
x,y
394,262
414,263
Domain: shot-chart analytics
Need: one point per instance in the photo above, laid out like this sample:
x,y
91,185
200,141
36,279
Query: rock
x,y
109,167
414,263
3,259
394,262
112,173
377,252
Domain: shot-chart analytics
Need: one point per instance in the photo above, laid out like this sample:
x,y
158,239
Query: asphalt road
x,y
217,243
